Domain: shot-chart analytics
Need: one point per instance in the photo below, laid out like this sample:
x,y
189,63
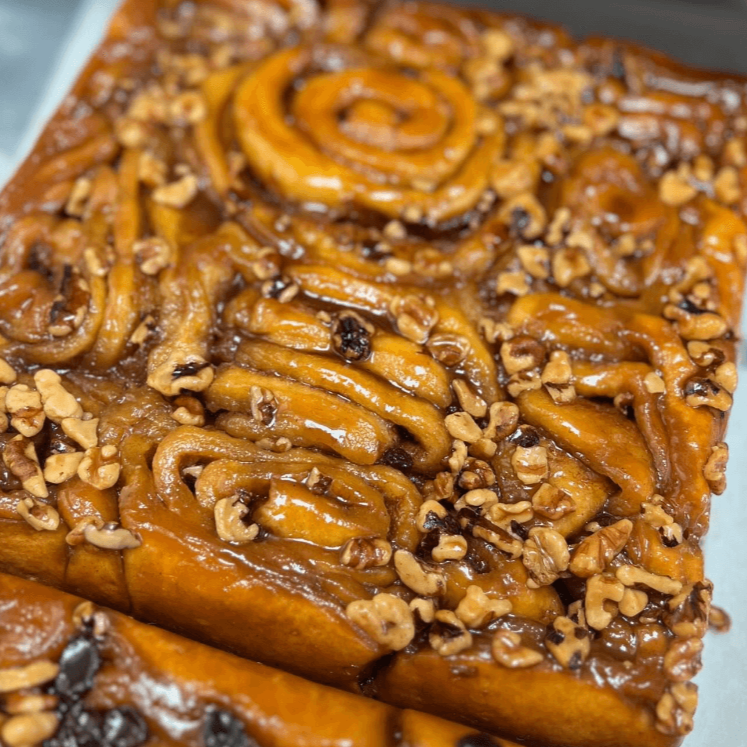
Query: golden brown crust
x,y
393,338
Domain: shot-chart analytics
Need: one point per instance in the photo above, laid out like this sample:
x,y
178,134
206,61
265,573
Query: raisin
x,y
351,336
223,729
398,458
123,727
79,663
78,728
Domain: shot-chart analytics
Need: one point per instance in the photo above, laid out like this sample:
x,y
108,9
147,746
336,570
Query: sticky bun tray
x,y
388,344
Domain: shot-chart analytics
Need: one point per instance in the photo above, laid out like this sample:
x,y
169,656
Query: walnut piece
x,y
386,618
448,634
568,642
111,536
38,515
24,405
601,592
631,575
57,401
598,550
682,659
715,468
530,464
425,581
83,432
20,458
61,467
551,502
449,547
675,709
476,609
100,467
462,426
229,521
545,556
508,651
366,552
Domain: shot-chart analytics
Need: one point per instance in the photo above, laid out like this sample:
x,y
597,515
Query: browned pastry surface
x,y
388,344
78,674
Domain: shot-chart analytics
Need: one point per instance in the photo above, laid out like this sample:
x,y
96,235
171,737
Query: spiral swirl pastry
x,y
381,342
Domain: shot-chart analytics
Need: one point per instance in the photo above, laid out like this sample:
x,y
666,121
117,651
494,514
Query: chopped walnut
x,y
701,392
535,260
726,185
263,405
675,189
83,432
688,612
430,515
386,618
552,503
726,376
568,642
189,411
100,467
57,401
29,729
458,457
20,458
468,400
230,524
153,255
509,652
631,575
360,553
500,539
24,405
596,552
7,373
177,194
558,226
514,283
188,108
504,515
521,354
545,556
78,200
715,468
449,547
478,497
59,468
111,536
38,515
557,375
494,331
510,178
569,264
503,419
682,659
654,383
720,621
423,580
152,171
498,45
449,350
530,464
448,635
461,426
476,609
477,474
524,381
701,326
415,317
524,214
424,609
675,709
634,601
601,592
656,517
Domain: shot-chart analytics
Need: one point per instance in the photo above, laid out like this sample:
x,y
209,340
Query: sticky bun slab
x,y
387,344
72,673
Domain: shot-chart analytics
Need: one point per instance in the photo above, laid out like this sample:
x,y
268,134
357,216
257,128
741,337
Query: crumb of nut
x,y
726,376
263,405
477,474
479,497
524,214
449,350
675,709
20,458
230,515
682,660
398,266
530,464
188,108
83,432
556,377
360,553
415,317
503,419
702,326
558,226
498,45
430,515
189,411
631,575
602,595
423,580
412,213
552,503
76,203
58,403
703,168
7,374
521,354
38,515
509,651
675,190
569,264
461,426
448,635
152,171
568,642
476,609
111,536
425,609
25,677
545,555
494,331
634,601
177,194
386,618
449,547
100,467
726,185
703,392
514,283
689,611
656,517
86,613
714,470
500,539
524,381
507,515
468,400
535,260
458,456
654,383
153,255
59,468
719,621
29,729
597,551
395,230
24,405
484,448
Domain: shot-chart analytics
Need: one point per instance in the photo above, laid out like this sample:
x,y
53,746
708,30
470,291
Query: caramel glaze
x,y
174,684
313,265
